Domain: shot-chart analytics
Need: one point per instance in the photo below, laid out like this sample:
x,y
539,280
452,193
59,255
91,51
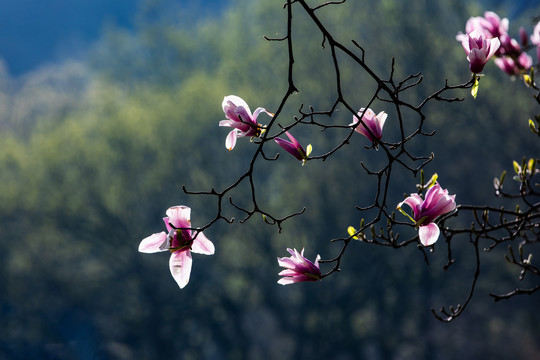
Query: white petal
x,y
230,141
237,101
179,216
428,234
202,245
153,243
180,265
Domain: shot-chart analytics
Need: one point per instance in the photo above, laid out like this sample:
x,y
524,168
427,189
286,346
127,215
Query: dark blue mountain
x,y
33,32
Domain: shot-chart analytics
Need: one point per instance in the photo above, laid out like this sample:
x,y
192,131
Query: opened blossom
x,y
436,202
240,118
294,148
491,25
479,49
372,122
180,241
298,268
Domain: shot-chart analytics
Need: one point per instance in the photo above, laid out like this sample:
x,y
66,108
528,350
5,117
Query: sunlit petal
x,y
202,245
428,234
153,243
179,216
180,266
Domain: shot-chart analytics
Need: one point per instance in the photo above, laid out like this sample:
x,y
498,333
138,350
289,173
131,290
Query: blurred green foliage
x,y
92,154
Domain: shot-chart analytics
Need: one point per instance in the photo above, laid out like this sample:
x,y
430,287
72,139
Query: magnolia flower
x,y
479,49
509,46
240,118
371,121
490,25
514,67
437,202
294,148
298,268
494,24
179,241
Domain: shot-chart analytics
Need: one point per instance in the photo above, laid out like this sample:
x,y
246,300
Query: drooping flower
x,y
371,121
298,268
240,118
479,49
180,241
436,202
294,148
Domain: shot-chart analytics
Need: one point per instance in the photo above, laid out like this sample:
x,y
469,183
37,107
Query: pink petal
x,y
494,46
477,60
293,140
428,234
361,129
465,44
202,245
434,193
258,111
367,113
167,224
477,57
443,206
371,122
289,147
244,115
382,119
415,203
288,272
232,102
154,243
316,263
230,141
179,216
226,123
286,281
180,265
286,263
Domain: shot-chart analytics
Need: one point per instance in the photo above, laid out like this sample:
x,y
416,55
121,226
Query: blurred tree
x,y
93,154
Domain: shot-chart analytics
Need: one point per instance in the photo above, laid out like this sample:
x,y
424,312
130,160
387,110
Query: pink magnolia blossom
x,y
298,268
479,49
372,122
179,241
294,148
437,202
514,67
509,46
491,25
240,118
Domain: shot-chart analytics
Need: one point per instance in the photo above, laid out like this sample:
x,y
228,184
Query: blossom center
x,y
179,239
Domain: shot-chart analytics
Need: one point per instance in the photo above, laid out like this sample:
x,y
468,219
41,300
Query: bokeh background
x,y
108,107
